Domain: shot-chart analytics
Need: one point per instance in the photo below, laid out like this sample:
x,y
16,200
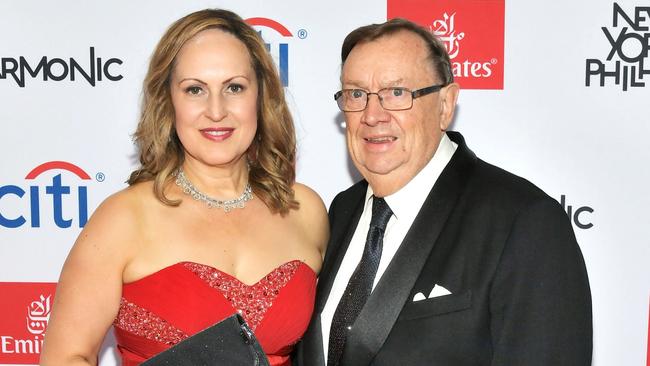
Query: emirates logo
x,y
26,308
472,31
38,315
445,29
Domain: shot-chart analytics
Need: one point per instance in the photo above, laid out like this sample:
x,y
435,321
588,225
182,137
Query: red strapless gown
x,y
178,301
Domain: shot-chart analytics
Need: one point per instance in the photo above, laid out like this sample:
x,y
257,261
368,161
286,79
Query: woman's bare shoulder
x,y
311,205
312,215
122,206
118,219
90,286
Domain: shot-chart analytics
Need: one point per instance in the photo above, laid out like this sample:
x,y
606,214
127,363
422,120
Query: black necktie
x,y
360,285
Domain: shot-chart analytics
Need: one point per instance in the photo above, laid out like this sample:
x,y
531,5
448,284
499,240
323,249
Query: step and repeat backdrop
x,y
557,92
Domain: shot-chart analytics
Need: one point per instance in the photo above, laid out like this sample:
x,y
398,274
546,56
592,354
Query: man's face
x,y
390,147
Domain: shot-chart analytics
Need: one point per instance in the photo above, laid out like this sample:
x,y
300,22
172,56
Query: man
x,y
436,257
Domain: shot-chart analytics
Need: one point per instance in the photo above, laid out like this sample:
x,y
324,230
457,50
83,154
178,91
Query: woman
x,y
212,222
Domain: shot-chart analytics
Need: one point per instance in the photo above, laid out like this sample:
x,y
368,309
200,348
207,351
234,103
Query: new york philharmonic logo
x,y
92,70
580,216
25,315
277,38
472,32
627,63
20,205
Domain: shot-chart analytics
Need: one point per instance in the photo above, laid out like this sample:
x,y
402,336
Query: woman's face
x,y
214,94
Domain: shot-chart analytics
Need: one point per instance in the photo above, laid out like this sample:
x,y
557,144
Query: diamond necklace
x,y
188,188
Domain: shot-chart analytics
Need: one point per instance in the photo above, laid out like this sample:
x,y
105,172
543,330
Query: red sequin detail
x,y
253,301
142,322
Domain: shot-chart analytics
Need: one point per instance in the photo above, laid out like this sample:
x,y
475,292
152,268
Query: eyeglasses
x,y
391,99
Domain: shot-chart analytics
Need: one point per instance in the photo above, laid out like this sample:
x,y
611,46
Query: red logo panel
x,y
472,31
25,314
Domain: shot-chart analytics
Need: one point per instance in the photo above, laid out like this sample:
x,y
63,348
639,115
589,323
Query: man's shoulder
x,y
490,181
496,183
492,191
353,192
346,201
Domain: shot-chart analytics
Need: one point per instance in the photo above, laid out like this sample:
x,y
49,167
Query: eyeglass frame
x,y
414,95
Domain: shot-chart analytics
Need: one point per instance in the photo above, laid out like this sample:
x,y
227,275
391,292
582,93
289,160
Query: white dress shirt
x,y
405,204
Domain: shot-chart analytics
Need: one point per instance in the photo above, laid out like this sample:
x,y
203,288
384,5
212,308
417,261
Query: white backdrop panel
x,y
585,143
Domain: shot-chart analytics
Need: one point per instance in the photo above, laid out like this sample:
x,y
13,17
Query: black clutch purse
x,y
229,342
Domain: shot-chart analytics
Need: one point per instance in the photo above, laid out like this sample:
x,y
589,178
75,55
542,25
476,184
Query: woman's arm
x,y
89,290
313,218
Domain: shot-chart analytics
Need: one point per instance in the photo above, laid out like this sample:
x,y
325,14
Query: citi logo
x,y
59,198
445,30
57,69
280,49
629,41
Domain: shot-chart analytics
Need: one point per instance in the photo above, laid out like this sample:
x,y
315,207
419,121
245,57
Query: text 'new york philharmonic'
x,y
58,69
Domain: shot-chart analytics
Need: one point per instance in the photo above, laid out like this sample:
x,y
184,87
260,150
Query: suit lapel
x,y
392,291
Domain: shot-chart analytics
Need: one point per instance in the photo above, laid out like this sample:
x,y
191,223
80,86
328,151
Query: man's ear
x,y
448,98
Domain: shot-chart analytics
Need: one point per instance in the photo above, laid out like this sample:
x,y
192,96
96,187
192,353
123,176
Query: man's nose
x,y
374,112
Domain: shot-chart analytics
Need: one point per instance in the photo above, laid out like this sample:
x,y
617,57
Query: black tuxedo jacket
x,y
506,252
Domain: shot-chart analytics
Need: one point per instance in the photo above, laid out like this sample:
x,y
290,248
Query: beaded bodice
x,y
180,300
143,322
253,301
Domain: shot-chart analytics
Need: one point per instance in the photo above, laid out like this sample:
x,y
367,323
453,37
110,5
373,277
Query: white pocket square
x,y
438,290
419,296
435,292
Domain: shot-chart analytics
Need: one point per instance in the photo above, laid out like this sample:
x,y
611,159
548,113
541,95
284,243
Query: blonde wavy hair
x,y
272,153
